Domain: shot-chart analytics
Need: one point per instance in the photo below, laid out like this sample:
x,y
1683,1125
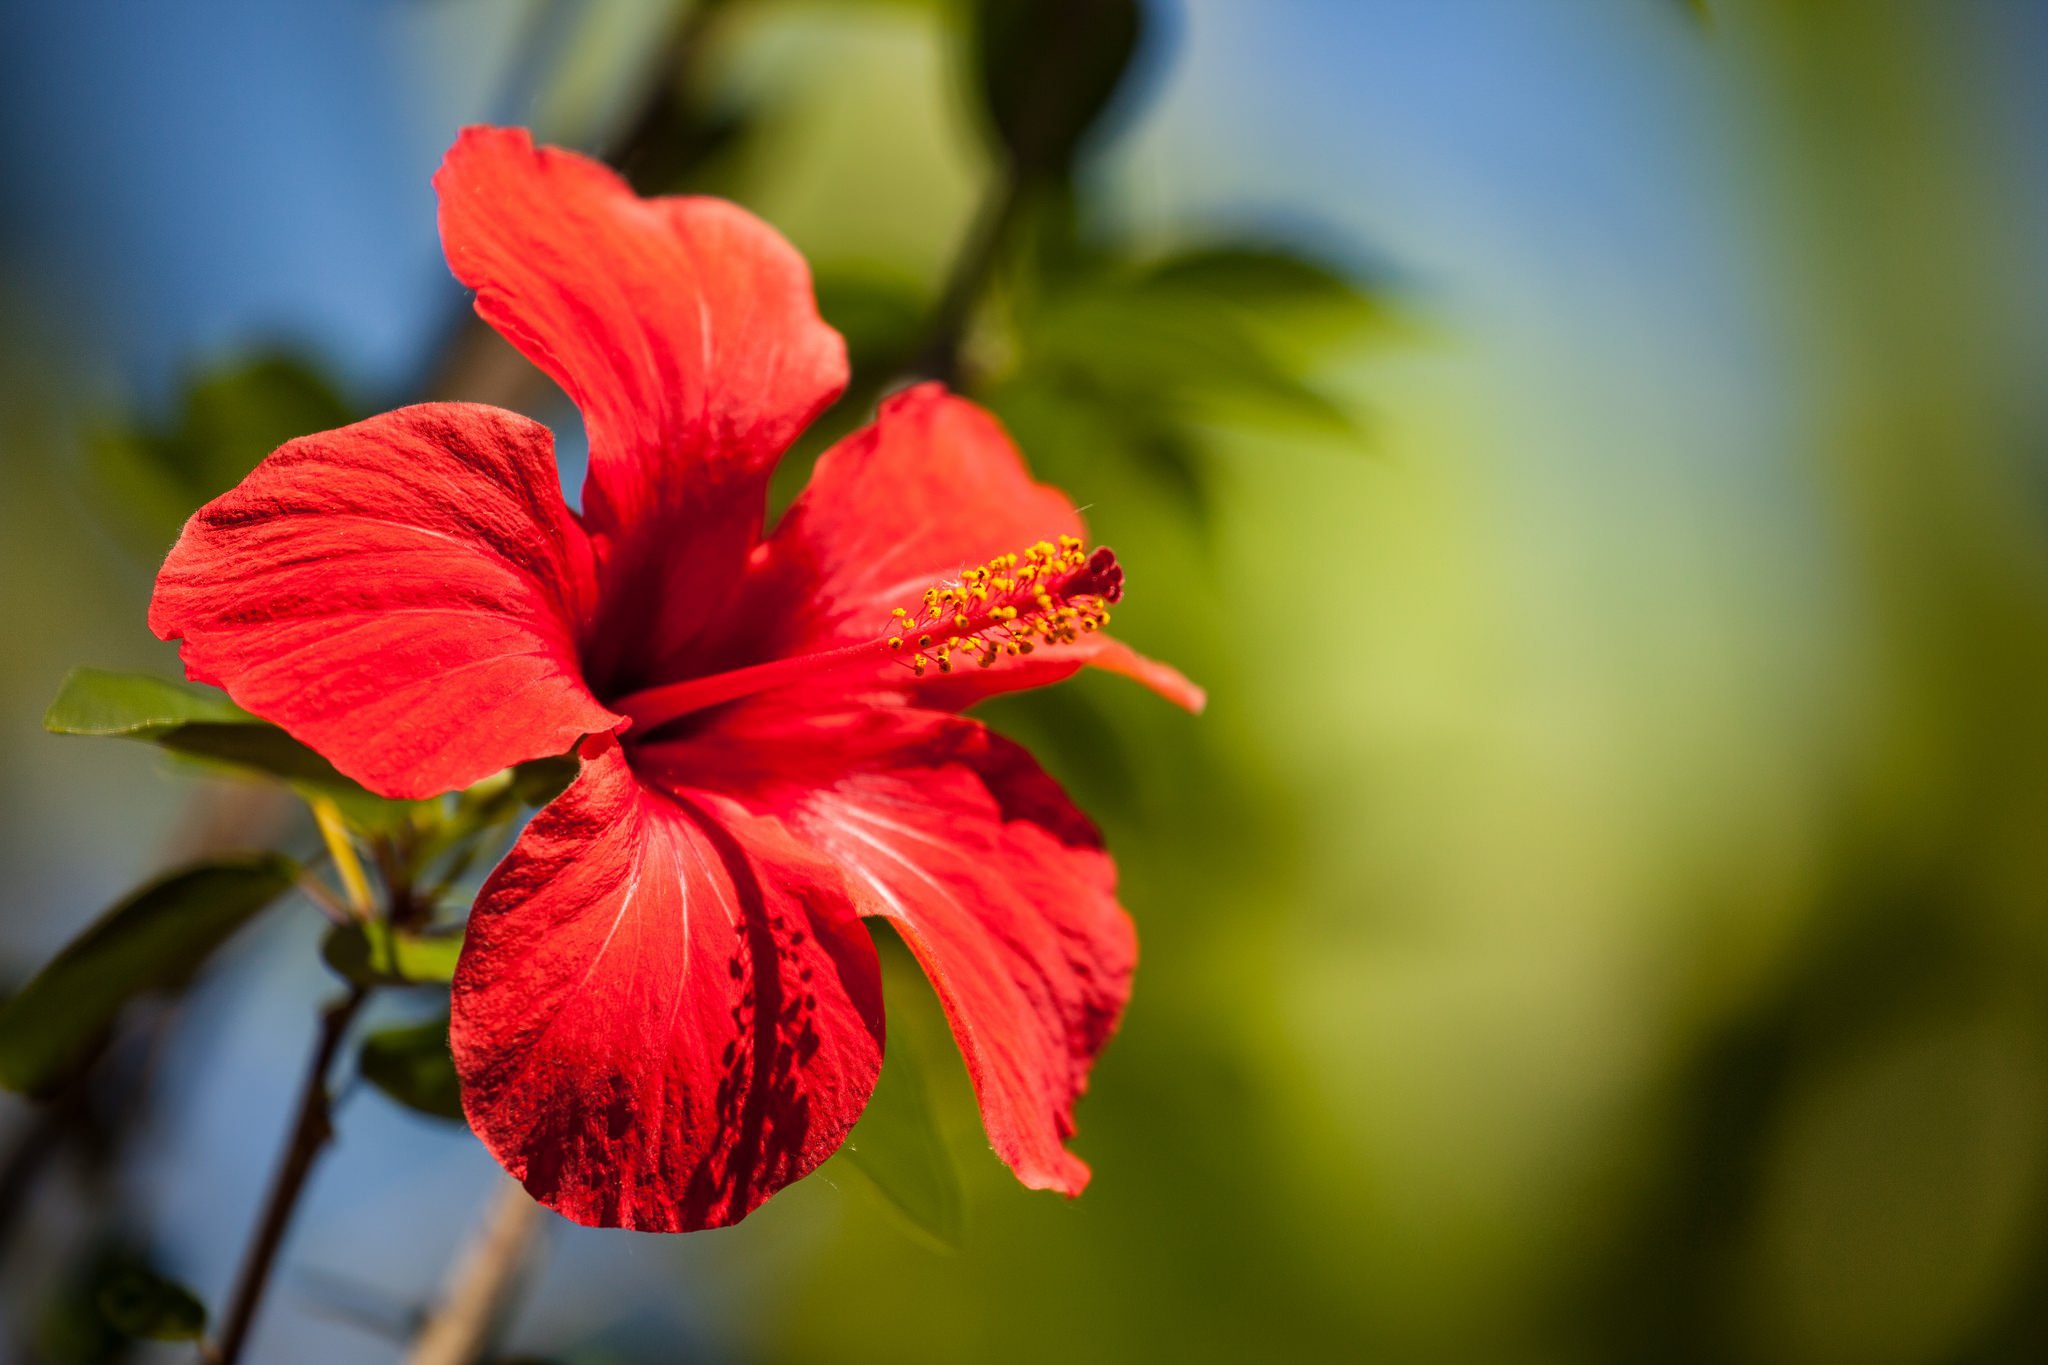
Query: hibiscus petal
x,y
664,1013
932,487
999,885
403,594
684,328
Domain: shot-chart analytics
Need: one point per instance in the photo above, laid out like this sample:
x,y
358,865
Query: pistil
x,y
1045,595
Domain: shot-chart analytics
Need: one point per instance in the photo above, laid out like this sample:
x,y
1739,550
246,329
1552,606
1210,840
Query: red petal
x,y
684,328
663,1013
932,487
403,594
999,885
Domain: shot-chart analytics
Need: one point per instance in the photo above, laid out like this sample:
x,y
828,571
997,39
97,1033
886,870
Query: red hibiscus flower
x,y
666,1007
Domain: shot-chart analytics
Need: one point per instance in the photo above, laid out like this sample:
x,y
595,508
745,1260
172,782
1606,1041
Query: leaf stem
x,y
311,1130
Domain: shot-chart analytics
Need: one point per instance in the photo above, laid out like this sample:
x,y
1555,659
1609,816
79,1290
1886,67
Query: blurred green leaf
x,y
411,1064
882,317
372,953
897,1145
1052,415
1289,298
141,1303
154,940
1067,729
1138,346
69,1327
1255,275
236,415
1178,467
1144,355
539,781
1048,251
228,418
486,804
200,723
1048,69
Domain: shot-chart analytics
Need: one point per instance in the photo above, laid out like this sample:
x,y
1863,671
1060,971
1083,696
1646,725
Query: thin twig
x,y
329,904
311,1131
473,1300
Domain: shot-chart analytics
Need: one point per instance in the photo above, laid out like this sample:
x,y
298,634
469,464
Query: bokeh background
x,y
1592,450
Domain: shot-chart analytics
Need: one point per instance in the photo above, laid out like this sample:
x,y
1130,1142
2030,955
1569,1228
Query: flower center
x,y
1016,603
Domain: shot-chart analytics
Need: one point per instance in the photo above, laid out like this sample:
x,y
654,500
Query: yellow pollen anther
x,y
1046,594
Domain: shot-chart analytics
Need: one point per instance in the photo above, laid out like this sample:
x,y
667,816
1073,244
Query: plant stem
x,y
311,1130
459,1328
939,358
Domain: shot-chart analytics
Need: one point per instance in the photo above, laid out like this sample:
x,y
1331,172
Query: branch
x,y
311,1131
459,1329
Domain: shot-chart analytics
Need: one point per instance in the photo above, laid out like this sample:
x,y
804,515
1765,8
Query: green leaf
x,y
372,953
201,724
154,940
411,1064
897,1145
1048,69
98,701
140,1303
